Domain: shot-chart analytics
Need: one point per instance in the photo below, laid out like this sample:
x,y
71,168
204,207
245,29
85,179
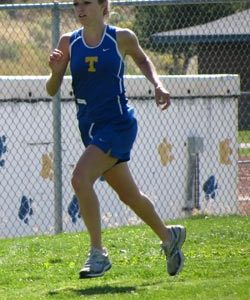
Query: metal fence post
x,y
57,146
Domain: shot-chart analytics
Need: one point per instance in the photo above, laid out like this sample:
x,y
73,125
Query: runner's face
x,y
88,10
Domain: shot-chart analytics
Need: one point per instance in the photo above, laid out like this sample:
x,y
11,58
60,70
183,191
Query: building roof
x,y
233,28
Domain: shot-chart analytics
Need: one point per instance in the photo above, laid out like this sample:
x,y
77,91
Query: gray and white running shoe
x,y
96,264
172,249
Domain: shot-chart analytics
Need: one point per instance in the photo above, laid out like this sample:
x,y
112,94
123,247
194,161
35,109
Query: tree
x,y
154,19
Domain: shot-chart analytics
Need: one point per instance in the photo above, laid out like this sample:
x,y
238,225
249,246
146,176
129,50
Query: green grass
x,y
244,152
217,264
244,137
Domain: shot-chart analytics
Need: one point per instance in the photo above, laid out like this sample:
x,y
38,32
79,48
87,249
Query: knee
x,y
75,181
79,180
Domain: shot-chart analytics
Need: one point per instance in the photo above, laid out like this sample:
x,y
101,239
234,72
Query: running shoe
x,y
96,264
172,249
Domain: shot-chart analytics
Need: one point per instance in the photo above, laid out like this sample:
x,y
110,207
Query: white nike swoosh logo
x,y
104,50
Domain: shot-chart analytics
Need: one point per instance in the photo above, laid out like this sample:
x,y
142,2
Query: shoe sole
x,y
182,258
93,275
181,239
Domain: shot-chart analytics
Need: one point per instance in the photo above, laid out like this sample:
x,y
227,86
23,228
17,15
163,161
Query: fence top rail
x,y
66,5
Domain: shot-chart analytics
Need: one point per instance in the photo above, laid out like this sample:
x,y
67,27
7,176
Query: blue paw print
x,y
74,209
210,187
25,210
3,149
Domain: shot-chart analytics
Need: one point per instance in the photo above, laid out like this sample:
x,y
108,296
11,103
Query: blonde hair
x,y
107,8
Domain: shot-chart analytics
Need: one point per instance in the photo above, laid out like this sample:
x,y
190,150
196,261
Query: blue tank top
x,y
97,77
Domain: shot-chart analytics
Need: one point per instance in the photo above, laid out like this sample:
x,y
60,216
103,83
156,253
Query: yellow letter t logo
x,y
91,60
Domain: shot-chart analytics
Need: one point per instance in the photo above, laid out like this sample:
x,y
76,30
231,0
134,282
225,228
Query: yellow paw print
x,y
225,152
164,150
47,166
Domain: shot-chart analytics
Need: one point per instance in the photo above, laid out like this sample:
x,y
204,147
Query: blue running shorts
x,y
116,136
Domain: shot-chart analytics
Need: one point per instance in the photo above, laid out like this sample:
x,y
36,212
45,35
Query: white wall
x,y
27,128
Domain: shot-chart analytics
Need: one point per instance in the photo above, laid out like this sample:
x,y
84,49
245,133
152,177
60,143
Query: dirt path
x,y
244,185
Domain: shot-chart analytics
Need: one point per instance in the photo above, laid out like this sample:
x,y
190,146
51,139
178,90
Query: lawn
x,y
244,137
217,264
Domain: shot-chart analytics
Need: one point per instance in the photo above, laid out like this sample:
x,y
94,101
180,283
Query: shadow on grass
x,y
97,290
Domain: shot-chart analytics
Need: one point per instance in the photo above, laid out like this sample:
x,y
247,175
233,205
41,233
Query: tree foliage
x,y
153,19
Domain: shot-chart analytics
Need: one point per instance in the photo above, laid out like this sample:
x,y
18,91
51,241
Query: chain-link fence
x,y
194,158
